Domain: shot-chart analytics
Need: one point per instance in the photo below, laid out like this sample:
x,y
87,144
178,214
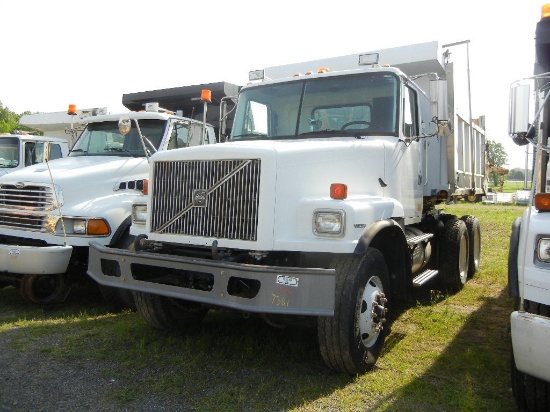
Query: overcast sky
x,y
90,53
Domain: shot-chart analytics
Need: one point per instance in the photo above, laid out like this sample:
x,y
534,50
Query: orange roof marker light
x,y
206,96
323,70
542,202
72,110
545,11
338,191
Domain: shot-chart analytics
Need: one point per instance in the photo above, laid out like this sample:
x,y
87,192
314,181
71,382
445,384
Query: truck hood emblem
x,y
20,185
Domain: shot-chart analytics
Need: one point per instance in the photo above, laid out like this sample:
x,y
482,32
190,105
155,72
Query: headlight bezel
x,y
329,223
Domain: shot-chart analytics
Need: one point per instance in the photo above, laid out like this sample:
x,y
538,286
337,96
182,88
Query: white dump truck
x,y
19,150
529,255
321,205
50,212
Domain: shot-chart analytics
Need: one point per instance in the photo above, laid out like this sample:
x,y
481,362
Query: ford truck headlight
x,y
139,213
328,223
82,227
543,250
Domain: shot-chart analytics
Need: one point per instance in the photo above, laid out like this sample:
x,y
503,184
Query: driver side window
x,y
410,113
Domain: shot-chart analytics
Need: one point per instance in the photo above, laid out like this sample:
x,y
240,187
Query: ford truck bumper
x,y
48,260
531,344
250,288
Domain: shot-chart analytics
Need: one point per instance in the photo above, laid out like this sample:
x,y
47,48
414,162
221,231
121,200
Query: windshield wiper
x,y
250,135
329,133
119,149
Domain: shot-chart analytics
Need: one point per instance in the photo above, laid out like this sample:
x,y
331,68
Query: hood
x,y
82,175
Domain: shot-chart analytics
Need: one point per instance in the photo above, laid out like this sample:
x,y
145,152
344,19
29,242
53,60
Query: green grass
x,y
511,187
443,353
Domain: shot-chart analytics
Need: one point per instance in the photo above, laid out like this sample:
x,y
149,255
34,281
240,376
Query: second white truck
x,y
321,206
50,212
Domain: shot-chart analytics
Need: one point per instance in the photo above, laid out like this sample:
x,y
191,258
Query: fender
x,y
118,233
370,232
513,273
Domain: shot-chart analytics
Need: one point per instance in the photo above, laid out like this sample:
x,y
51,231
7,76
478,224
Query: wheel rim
x,y
42,288
463,259
372,312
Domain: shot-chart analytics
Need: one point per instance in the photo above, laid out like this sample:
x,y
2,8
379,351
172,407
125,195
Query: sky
x,y
58,52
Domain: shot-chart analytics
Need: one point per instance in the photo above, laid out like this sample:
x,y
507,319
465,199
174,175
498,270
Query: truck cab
x,y
21,150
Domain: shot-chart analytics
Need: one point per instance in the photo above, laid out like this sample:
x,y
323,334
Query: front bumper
x,y
34,260
278,290
531,344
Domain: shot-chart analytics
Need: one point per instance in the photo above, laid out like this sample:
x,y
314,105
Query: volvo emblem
x,y
199,198
20,185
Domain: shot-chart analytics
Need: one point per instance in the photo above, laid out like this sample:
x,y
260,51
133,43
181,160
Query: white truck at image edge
x,y
320,207
529,253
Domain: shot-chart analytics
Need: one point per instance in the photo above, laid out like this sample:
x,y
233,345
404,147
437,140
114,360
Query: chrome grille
x,y
31,197
21,221
216,198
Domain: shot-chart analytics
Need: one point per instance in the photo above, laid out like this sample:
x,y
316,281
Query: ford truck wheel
x,y
453,254
474,243
43,289
352,339
166,313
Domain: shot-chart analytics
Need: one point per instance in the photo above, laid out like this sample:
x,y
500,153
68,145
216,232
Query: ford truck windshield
x,y
104,139
329,106
9,152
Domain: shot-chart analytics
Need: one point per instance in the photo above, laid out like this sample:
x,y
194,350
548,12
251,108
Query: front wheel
x,y
166,313
44,289
352,339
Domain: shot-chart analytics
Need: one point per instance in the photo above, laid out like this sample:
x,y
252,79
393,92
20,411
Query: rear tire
x,y
474,243
453,254
351,340
166,313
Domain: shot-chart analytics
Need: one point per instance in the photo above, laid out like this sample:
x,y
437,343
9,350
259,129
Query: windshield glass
x,y
104,139
9,152
334,105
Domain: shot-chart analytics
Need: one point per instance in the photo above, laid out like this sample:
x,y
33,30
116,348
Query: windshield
x,y
104,139
9,152
335,105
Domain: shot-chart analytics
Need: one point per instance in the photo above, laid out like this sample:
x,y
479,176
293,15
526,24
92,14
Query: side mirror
x,y
518,120
124,125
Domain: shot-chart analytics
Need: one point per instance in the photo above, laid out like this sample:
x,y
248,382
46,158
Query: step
x,y
415,240
424,277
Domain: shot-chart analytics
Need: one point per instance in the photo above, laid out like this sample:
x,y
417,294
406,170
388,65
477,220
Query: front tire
x,y
351,340
166,313
43,289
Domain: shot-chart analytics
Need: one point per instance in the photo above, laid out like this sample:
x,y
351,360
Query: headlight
x,y
139,213
328,222
543,250
79,226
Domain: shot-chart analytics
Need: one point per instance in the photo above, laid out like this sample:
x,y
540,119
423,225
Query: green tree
x,y
9,121
496,157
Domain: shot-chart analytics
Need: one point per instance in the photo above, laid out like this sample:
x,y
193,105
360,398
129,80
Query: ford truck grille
x,y
21,221
217,198
31,197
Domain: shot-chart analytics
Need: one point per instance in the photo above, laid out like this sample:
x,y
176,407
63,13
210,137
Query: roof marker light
x,y
338,191
542,202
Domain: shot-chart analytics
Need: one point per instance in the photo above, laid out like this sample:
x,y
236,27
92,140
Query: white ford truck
x,y
529,255
321,206
50,212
